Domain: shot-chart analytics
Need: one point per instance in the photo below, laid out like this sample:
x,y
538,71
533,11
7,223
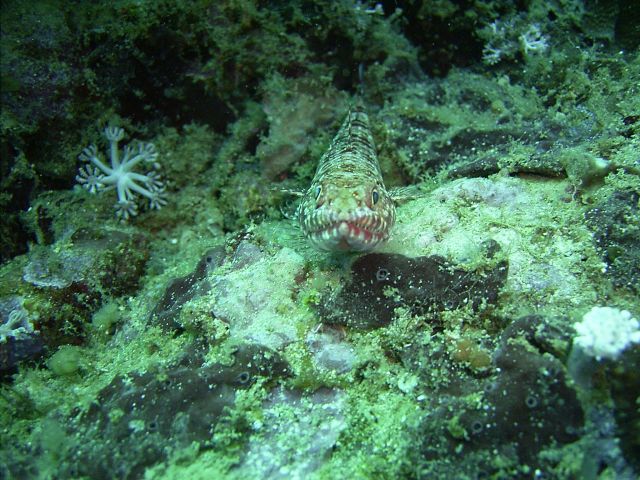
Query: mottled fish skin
x,y
347,207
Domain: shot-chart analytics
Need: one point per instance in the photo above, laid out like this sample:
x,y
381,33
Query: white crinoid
x,y
119,174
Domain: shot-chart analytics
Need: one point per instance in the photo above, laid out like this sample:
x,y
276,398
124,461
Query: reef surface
x,y
200,336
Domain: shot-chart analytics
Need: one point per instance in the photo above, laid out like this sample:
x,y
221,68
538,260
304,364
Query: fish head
x,y
347,216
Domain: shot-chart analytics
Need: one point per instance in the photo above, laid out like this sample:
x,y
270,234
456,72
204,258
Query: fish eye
x,y
375,196
318,191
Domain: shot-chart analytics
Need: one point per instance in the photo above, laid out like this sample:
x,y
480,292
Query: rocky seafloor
x,y
209,339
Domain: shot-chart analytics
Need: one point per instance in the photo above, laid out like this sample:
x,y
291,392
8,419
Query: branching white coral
x,y
97,176
491,55
605,332
505,38
14,319
533,41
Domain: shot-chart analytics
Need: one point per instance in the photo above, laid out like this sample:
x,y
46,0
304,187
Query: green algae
x,y
556,138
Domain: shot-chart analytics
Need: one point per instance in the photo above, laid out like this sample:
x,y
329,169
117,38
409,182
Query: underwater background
x,y
162,316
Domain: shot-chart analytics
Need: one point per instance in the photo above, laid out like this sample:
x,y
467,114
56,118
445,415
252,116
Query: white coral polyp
x,y
120,174
605,332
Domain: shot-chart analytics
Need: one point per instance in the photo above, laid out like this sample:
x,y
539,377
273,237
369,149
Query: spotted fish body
x,y
347,207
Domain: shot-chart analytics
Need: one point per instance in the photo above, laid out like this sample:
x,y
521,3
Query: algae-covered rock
x,y
522,405
66,361
616,225
181,290
69,280
294,113
256,301
19,340
139,418
380,283
625,385
440,355
296,436
528,406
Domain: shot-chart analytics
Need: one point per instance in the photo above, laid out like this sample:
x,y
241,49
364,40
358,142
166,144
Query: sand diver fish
x,y
347,207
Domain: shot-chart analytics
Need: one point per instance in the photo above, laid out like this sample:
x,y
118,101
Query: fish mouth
x,y
347,235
